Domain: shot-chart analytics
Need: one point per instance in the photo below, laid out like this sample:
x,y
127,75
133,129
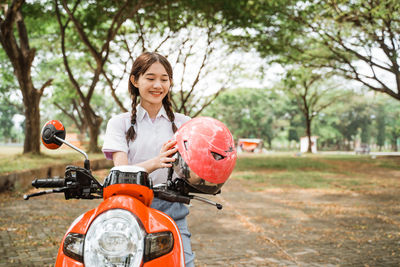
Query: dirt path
x,y
300,228
264,228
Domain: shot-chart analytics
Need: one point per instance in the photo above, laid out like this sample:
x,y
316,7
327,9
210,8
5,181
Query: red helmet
x,y
207,154
51,128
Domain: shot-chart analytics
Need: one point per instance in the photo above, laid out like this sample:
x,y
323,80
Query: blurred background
x,y
303,86
304,76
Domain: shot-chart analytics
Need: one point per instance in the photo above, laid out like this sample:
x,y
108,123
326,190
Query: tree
x,y
351,116
248,112
329,137
96,25
296,121
393,128
8,106
192,43
100,36
15,42
381,125
359,40
7,113
388,111
312,94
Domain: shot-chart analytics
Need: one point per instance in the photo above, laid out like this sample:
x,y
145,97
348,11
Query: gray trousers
x,y
178,212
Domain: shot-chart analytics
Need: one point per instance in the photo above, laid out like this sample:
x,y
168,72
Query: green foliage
x,y
356,39
293,33
9,106
312,92
7,112
248,113
264,25
387,122
352,116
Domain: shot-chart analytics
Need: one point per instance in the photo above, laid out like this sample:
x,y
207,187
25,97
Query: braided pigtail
x,y
131,134
168,108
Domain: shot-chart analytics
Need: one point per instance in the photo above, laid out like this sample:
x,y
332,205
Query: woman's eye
x,y
164,80
150,79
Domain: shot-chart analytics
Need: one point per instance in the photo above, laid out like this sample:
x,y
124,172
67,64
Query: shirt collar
x,y
141,113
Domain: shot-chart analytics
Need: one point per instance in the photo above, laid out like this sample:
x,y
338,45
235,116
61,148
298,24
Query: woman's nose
x,y
157,84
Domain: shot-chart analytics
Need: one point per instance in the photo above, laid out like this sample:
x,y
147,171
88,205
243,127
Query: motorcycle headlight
x,y
115,238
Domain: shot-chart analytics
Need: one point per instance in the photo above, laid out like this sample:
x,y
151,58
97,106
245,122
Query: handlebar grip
x,y
171,196
49,182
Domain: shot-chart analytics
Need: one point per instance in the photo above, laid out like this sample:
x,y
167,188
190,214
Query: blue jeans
x,y
178,212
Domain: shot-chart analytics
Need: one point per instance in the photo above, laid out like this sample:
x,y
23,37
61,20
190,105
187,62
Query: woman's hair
x,y
139,67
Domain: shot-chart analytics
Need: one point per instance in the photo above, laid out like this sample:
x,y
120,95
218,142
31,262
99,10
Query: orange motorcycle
x,y
124,230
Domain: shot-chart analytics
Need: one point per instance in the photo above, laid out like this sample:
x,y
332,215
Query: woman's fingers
x,y
169,153
166,154
168,145
166,162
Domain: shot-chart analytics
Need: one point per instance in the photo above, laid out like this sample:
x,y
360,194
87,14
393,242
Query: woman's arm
x,y
120,158
163,160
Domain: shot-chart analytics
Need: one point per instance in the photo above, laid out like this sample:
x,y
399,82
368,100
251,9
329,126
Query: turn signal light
x,y
157,244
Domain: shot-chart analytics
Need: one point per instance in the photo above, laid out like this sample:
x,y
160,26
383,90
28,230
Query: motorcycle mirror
x,y
51,132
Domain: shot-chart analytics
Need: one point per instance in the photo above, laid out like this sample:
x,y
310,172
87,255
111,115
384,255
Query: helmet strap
x,y
170,173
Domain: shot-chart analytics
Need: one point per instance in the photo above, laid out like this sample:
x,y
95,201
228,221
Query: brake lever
x,y
205,200
50,191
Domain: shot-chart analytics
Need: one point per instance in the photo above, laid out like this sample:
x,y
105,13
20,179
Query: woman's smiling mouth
x,y
156,93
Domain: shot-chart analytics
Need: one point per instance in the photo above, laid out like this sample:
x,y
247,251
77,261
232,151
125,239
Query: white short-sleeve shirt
x,y
150,136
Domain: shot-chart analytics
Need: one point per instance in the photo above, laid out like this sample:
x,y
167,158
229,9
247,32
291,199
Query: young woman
x,y
140,137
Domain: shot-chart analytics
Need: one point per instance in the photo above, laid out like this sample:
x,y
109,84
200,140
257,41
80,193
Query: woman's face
x,y
153,85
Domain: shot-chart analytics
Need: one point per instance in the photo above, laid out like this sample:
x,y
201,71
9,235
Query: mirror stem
x,y
74,147
86,164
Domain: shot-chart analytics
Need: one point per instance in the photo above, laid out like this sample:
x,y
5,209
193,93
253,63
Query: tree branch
x,y
79,28
46,84
72,117
110,84
208,51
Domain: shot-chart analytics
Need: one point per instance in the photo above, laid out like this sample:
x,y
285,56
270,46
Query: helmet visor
x,y
195,183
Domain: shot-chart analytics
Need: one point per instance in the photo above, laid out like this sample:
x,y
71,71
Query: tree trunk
x,y
32,123
394,147
94,131
394,142
308,131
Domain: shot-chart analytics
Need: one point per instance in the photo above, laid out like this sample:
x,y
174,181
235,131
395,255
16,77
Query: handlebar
x,y
79,183
170,196
48,183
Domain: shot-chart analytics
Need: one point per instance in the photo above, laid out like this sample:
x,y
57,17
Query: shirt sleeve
x,y
181,119
115,137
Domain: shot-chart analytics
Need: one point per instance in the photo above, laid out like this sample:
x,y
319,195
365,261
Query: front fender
x,y
152,220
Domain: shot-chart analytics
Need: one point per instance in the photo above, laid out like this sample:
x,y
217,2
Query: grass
x,y
390,163
280,163
284,170
338,172
289,179
12,159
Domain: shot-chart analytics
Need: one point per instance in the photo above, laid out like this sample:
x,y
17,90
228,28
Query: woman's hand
x,y
163,160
